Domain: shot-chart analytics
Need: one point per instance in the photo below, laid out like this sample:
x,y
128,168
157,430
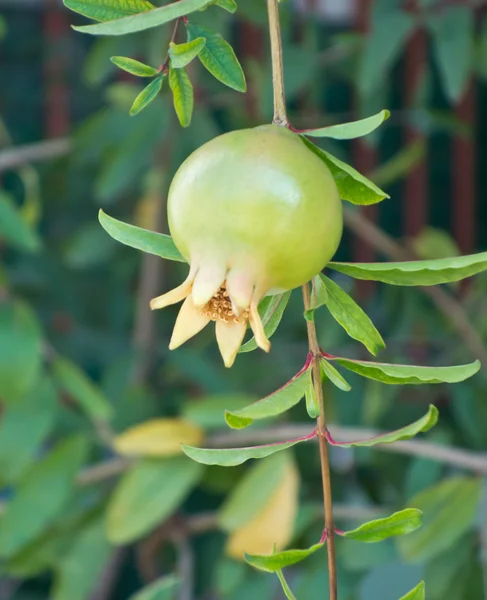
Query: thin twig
x,y
21,155
447,304
456,457
280,117
315,351
109,575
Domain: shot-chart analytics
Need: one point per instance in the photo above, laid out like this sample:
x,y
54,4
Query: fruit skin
x,y
258,201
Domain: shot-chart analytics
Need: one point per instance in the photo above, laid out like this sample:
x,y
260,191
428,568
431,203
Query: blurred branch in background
x,y
19,156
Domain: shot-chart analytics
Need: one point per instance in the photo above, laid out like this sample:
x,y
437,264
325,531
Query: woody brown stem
x,y
280,117
315,351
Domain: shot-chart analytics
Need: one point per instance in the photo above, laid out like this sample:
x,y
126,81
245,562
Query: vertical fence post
x,y
56,28
464,170
365,159
415,206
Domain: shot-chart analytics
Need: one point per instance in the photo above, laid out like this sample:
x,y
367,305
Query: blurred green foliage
x,y
82,359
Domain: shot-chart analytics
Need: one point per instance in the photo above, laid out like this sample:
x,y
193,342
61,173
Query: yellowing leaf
x,y
159,437
272,527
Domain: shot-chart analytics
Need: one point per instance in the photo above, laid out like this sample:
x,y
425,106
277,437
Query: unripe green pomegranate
x,y
254,212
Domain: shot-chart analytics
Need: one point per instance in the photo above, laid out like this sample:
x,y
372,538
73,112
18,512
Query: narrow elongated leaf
x,y
147,495
400,523
276,403
14,229
312,403
183,96
35,413
349,131
145,20
318,297
158,438
147,95
449,510
83,391
20,350
252,492
418,272
390,31
219,57
453,30
280,560
351,317
402,374
42,494
271,310
182,54
236,456
329,371
134,67
107,10
426,422
352,186
162,589
141,239
418,593
89,553
228,5
271,527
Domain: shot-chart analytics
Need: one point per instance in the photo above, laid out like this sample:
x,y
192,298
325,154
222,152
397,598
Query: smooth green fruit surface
x,y
256,200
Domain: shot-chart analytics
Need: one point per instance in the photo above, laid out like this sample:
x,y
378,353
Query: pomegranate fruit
x,y
254,212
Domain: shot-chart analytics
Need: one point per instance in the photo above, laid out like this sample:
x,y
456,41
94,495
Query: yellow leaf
x,y
159,437
273,525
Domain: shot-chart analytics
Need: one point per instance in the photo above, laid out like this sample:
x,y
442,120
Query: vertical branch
x,y
314,349
280,117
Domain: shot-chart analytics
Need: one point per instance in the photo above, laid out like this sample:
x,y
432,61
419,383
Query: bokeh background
x,y
76,333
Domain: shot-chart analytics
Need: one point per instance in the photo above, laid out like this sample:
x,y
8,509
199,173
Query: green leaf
x,y
419,593
78,572
182,54
271,310
219,57
162,589
329,371
390,31
24,426
147,95
452,31
231,457
285,586
312,403
402,374
400,523
228,5
252,492
279,560
351,317
145,20
83,391
14,229
318,297
141,239
350,131
20,350
352,186
422,425
417,272
107,10
449,510
275,404
42,494
147,495
134,66
183,96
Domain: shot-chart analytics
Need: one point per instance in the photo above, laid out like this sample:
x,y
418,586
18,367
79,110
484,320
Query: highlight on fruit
x,y
255,213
